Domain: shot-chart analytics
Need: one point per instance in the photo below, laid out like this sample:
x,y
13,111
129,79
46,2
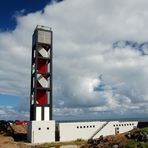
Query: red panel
x,y
41,97
42,67
41,94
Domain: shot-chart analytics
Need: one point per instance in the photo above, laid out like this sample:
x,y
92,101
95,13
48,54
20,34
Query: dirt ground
x,y
8,142
16,133
21,129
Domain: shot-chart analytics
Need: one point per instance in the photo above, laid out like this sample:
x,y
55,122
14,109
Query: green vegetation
x,y
136,144
142,129
132,143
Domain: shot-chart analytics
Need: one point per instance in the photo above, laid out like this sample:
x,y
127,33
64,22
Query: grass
x,y
57,144
136,144
142,129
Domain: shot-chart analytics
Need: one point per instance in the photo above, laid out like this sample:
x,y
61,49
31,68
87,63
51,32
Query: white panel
x,y
41,131
38,113
44,53
33,68
44,37
32,99
78,130
46,113
42,81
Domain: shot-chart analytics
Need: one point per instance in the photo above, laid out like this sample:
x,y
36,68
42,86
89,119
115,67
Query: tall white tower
x,y
41,128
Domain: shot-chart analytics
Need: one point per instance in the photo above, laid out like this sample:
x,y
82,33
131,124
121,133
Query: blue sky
x,y
10,8
8,13
7,100
98,37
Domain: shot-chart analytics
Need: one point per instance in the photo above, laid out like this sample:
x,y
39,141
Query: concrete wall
x,y
115,127
41,131
84,130
76,130
44,131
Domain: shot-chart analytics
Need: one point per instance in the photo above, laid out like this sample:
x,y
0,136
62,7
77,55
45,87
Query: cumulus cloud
x,y
11,113
84,35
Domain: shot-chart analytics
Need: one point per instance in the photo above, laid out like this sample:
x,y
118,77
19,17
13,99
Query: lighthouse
x,y
41,127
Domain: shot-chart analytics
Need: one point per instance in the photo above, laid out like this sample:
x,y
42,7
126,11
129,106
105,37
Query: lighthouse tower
x,y
41,75
41,127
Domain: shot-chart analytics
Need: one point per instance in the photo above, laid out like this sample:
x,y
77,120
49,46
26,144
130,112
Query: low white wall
x,y
78,130
44,131
84,130
115,127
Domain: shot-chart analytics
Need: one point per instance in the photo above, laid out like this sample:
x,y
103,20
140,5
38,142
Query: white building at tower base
x,y
49,131
41,131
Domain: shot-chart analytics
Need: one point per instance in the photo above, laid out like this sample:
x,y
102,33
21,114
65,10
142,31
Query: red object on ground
x,y
21,122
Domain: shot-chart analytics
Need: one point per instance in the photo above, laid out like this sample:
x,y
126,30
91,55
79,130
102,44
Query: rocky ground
x,y
8,142
137,138
112,141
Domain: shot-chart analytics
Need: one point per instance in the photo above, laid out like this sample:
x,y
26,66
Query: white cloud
x,y
11,113
84,33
